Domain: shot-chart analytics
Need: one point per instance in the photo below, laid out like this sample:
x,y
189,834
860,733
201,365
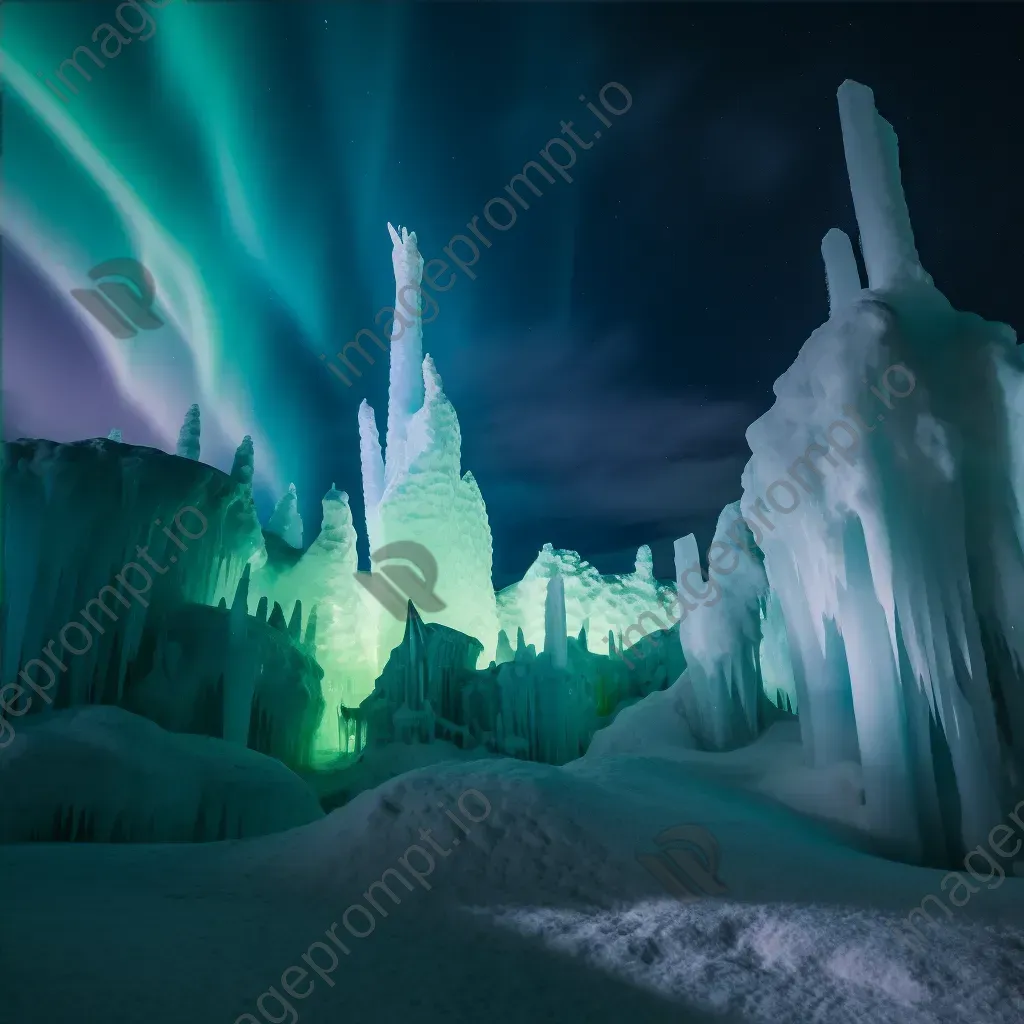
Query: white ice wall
x,y
899,569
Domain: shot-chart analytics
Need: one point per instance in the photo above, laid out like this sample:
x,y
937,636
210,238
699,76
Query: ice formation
x,y
869,580
188,436
415,491
250,679
899,572
285,522
629,605
102,539
324,577
720,631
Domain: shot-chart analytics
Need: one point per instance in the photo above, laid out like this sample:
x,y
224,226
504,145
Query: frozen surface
x,y
102,774
542,913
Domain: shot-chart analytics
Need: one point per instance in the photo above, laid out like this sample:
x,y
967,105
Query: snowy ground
x,y
542,913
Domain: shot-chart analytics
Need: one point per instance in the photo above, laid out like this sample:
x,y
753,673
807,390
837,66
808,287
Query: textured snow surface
x,y
783,962
119,776
542,913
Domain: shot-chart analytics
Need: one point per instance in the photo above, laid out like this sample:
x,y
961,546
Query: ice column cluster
x,y
722,639
897,565
414,491
325,578
630,605
84,522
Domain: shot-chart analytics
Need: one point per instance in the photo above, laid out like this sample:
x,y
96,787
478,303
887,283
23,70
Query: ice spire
x,y
554,622
188,436
372,464
115,435
285,521
405,392
504,652
310,638
841,274
872,162
242,466
644,564
295,622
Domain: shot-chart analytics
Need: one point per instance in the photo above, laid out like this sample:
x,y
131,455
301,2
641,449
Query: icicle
x,y
239,675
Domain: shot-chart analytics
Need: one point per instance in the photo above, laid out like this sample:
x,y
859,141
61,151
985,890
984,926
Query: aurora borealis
x,y
250,156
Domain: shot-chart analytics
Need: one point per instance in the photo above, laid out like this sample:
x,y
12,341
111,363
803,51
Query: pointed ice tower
x,y
415,491
285,522
872,162
405,381
893,461
188,436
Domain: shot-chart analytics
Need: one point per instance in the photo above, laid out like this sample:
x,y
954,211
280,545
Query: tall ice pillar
x,y
405,393
872,162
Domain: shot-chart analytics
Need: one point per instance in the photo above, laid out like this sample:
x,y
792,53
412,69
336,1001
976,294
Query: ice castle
x,y
881,609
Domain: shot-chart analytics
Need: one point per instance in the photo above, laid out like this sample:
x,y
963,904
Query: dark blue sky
x,y
621,336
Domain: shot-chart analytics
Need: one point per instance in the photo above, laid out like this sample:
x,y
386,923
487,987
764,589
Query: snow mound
x,y
101,774
656,722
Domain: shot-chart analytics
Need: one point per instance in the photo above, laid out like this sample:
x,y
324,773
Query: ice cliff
x,y
86,519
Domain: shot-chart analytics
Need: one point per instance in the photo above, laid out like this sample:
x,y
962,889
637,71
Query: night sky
x,y
617,340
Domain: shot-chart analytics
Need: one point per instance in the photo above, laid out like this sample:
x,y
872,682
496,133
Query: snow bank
x,y
101,774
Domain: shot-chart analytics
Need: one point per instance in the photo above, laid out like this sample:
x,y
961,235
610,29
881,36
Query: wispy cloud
x,y
586,429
